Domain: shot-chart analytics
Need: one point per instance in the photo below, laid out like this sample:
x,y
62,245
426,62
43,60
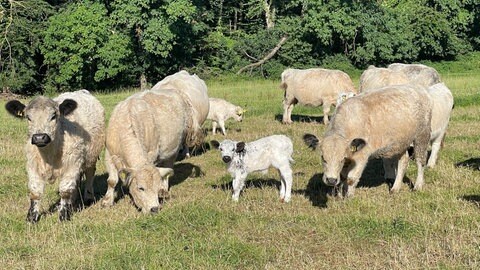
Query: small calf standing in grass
x,y
243,158
220,111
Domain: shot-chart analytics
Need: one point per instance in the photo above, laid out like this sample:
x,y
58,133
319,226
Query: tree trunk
x,y
269,13
268,56
143,82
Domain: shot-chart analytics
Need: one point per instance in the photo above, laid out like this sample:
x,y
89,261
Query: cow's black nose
x,y
154,210
331,181
226,159
41,139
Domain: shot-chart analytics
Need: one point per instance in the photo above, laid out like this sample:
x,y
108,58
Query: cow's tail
x,y
311,140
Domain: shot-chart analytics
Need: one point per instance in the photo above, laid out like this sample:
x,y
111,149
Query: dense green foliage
x,y
59,45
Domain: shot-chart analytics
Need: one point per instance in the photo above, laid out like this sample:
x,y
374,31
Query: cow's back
x,y
388,119
193,87
88,122
418,74
374,78
147,127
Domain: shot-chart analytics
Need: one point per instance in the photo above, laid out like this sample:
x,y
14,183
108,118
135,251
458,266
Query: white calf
x,y
243,158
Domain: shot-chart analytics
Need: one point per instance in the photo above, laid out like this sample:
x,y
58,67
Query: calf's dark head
x,y
43,116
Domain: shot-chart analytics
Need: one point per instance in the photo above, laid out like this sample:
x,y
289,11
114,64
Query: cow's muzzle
x,y
41,139
331,181
226,159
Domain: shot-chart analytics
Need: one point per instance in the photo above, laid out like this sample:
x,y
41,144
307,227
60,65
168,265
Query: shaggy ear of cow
x,y
15,108
311,140
126,176
240,147
68,106
357,144
215,144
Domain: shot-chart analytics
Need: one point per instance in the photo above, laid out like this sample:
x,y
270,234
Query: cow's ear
x,y
215,144
240,147
15,108
126,176
68,106
357,144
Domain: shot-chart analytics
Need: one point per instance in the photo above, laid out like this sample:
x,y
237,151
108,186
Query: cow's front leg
x,y
354,175
238,184
67,190
36,186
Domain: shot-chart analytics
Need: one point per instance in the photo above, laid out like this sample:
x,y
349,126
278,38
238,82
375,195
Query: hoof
x,y
65,213
33,216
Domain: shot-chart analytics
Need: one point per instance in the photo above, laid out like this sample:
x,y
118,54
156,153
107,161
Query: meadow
x,y
200,227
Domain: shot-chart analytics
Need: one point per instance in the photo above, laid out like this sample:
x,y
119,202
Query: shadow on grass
x,y
473,163
475,199
302,118
194,151
182,171
373,176
254,183
316,191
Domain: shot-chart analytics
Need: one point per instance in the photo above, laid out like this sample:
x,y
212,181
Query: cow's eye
x,y
141,188
29,119
323,159
221,149
53,117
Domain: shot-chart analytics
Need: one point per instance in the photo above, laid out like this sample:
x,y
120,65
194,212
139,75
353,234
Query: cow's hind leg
x,y
326,110
401,168
88,194
420,147
436,145
214,127
286,186
288,104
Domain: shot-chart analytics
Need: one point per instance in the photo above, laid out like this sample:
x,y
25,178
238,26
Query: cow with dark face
x,y
65,138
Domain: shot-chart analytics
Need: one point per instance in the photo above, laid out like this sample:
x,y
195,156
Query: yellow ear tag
x,y
353,148
123,175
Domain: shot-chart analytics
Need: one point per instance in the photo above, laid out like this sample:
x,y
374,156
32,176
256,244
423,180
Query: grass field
x,y
201,228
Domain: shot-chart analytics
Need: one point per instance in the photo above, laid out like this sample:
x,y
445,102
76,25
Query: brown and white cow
x,y
313,87
384,124
65,138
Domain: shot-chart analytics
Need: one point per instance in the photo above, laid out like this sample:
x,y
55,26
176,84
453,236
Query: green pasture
x,y
201,228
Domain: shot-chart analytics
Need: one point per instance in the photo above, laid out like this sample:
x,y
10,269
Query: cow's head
x,y
238,116
336,153
230,148
145,186
43,116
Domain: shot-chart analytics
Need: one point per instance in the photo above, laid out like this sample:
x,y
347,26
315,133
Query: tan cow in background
x,y
65,137
382,123
375,77
418,74
222,110
313,87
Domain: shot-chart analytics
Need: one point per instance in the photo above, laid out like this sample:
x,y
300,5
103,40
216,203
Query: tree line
x,y
60,45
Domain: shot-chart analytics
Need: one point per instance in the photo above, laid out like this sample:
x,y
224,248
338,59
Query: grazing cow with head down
x,y
383,123
220,111
313,87
243,158
65,138
144,136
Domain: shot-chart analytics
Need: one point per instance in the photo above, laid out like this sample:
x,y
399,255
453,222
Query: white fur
x,y
259,155
220,111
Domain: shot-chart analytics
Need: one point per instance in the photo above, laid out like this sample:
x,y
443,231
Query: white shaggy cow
x,y
313,87
144,136
220,111
243,158
383,123
442,100
195,93
417,73
65,138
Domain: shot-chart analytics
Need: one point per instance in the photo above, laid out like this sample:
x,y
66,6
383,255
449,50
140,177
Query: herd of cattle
x,y
397,108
